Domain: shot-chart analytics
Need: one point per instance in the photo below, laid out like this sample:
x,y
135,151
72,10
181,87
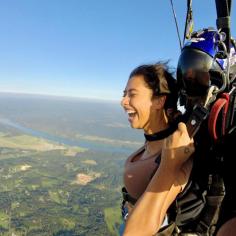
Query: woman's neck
x,y
154,147
156,125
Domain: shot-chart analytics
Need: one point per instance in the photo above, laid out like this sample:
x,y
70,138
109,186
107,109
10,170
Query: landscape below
x,y
49,183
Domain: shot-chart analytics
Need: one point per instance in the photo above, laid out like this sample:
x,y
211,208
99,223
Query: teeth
x,y
130,112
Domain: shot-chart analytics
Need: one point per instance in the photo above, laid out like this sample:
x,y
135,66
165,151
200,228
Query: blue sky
x,y
87,48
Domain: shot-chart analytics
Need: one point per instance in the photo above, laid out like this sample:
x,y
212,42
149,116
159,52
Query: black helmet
x,y
202,63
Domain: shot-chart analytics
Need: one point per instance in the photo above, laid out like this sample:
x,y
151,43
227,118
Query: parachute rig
x,y
206,76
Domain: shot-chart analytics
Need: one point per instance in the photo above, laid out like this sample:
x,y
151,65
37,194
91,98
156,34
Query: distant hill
x,y
68,117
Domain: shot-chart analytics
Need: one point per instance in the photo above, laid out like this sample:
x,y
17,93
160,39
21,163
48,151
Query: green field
x,y
113,219
53,189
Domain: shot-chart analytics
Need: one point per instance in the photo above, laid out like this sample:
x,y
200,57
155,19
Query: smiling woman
x,y
156,173
154,87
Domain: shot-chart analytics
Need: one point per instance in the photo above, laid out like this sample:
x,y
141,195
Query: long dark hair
x,y
153,73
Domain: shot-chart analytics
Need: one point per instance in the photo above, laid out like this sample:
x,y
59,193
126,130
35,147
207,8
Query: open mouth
x,y
131,114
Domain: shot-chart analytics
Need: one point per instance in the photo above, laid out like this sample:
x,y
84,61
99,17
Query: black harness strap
x,y
214,198
127,197
223,8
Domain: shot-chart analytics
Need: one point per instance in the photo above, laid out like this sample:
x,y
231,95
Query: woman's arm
x,y
149,212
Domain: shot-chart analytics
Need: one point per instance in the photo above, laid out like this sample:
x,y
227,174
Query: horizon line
x,y
59,96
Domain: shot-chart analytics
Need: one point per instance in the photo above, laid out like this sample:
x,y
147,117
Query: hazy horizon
x,y
68,116
95,99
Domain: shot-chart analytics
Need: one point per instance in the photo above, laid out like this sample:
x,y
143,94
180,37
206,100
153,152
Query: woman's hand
x,y
177,148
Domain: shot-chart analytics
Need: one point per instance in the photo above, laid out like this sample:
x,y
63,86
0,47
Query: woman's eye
x,y
133,94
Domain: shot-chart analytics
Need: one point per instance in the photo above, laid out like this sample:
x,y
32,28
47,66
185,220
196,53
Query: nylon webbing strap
x,y
207,224
223,22
198,115
223,8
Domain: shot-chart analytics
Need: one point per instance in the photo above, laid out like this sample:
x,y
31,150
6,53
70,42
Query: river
x,y
91,145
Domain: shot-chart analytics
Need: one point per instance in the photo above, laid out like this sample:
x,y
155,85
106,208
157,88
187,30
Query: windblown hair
x,y
153,74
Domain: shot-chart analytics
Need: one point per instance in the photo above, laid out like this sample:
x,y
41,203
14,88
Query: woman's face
x,y
139,105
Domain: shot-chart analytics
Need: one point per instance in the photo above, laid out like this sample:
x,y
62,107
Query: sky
x,y
87,48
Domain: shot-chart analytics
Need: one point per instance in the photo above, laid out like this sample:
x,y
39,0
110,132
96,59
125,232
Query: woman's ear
x,y
159,102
